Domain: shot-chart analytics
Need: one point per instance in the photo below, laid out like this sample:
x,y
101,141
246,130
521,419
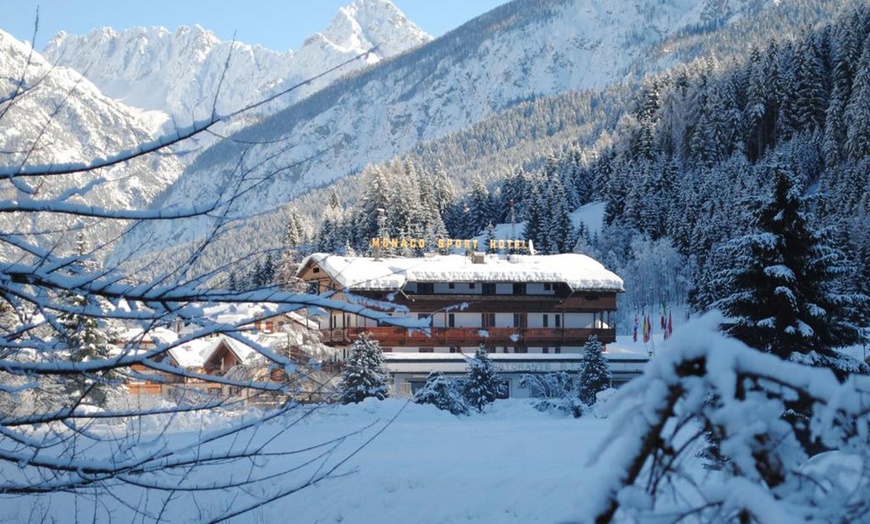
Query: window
x,y
427,350
451,286
316,270
545,349
471,286
489,288
451,320
487,319
386,350
454,349
519,288
546,320
548,286
425,288
313,288
520,320
558,320
558,349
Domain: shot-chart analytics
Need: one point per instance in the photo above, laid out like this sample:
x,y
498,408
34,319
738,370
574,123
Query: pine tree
x,y
480,208
86,341
596,375
267,271
782,290
375,206
536,226
291,254
442,393
482,384
858,109
560,230
364,375
83,337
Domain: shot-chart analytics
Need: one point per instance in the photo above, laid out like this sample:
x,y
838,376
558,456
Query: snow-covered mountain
x,y
522,49
180,72
59,117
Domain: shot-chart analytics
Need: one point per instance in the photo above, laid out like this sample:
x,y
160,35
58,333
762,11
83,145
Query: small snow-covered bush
x,y
482,384
443,393
596,375
364,373
554,392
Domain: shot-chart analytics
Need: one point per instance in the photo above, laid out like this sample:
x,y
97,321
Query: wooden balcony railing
x,y
501,336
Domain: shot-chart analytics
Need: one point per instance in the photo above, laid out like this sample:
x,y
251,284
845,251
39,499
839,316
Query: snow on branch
x,y
24,205
705,387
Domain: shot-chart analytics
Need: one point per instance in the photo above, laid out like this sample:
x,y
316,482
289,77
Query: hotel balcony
x,y
470,336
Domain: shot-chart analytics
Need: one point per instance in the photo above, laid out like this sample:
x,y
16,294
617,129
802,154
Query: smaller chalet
x,y
208,356
533,312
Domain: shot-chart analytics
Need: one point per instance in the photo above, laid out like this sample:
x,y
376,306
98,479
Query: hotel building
x,y
533,313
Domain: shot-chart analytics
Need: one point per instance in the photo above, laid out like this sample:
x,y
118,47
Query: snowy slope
x,y
180,72
64,118
522,49
428,466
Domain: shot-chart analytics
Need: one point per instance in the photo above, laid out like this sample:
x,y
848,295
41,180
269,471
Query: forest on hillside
x,y
683,172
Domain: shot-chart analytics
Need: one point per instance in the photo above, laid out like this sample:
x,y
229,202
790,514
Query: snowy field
x,y
510,464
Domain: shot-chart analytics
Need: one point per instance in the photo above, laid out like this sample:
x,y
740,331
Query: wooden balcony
x,y
447,337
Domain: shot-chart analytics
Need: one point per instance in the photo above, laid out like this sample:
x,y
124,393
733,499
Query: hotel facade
x,y
533,313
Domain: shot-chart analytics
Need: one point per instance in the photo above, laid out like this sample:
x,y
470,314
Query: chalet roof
x,y
579,272
195,354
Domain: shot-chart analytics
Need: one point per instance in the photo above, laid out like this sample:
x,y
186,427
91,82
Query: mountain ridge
x,y
183,72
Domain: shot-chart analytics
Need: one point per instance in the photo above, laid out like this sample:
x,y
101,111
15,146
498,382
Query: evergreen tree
x,y
442,393
596,375
85,340
857,113
782,289
480,208
482,384
559,229
490,238
375,204
364,375
536,216
292,242
268,271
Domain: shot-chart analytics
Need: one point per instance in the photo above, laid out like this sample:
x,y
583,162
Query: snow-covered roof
x,y
579,272
157,335
195,354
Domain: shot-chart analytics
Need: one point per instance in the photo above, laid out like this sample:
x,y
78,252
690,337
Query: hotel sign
x,y
448,243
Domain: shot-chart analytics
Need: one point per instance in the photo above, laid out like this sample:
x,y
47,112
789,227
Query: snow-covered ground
x,y
510,464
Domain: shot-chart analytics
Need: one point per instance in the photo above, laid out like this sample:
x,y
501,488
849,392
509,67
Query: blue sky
x,y
275,24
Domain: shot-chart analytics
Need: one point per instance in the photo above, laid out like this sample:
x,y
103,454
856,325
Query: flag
x,y
634,333
647,328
